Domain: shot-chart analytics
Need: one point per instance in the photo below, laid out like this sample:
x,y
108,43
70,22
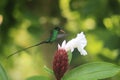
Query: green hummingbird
x,y
52,38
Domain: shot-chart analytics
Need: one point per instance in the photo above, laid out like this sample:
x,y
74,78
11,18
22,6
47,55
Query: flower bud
x,y
60,63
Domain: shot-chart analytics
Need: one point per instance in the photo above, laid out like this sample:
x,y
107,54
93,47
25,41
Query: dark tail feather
x,y
26,48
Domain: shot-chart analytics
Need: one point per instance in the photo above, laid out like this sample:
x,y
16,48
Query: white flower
x,y
79,42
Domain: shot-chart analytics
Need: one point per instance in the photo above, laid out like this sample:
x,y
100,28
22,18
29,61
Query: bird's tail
x,y
26,48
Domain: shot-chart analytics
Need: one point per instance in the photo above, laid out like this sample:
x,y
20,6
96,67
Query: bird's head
x,y
59,29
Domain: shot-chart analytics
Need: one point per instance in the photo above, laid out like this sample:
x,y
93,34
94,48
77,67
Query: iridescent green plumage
x,y
51,39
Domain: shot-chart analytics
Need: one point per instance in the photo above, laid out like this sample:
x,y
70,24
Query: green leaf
x,y
48,70
3,75
38,78
92,71
69,56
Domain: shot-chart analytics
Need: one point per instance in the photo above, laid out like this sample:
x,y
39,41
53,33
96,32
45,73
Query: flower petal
x,y
72,49
79,42
82,51
82,40
64,44
59,46
70,45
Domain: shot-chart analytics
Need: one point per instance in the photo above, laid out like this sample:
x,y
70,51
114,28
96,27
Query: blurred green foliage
x,y
26,22
3,75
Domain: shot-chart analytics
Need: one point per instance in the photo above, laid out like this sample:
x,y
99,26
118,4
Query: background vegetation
x,y
26,22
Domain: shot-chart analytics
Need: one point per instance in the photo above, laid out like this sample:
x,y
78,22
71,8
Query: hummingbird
x,y
52,38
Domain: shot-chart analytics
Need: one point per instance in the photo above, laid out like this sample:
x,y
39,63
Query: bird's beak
x,y
62,31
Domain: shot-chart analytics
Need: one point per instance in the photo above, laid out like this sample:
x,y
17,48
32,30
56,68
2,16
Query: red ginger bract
x,y
60,63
